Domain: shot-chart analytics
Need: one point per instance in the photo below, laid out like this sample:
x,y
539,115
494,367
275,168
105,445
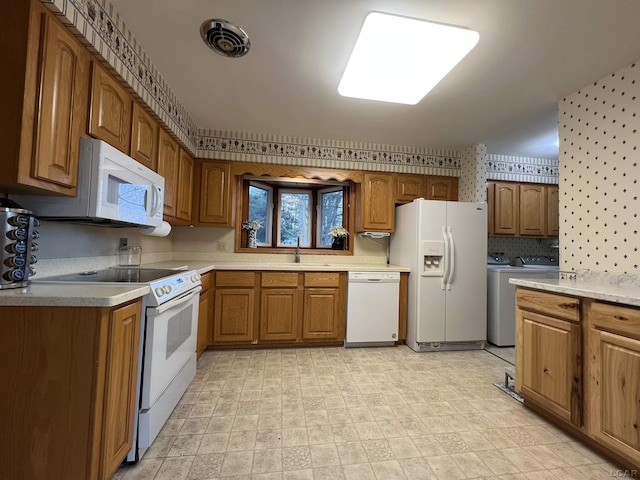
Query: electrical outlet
x,y
222,246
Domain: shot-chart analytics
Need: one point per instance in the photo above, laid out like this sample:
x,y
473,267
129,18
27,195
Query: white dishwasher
x,y
372,309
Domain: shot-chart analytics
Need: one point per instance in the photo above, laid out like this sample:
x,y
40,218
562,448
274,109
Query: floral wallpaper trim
x,y
229,146
103,29
522,169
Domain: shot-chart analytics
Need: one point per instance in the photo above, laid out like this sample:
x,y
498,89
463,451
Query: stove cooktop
x,y
113,275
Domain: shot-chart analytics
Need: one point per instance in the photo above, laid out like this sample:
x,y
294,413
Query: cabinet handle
x,y
620,317
127,321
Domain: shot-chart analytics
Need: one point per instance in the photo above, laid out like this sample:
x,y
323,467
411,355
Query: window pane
x,y
294,218
259,209
330,214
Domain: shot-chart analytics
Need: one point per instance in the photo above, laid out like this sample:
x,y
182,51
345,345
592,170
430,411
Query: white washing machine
x,y
501,295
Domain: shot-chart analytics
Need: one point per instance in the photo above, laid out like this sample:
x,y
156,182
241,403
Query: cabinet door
x,y
279,314
234,315
144,138
205,317
553,211
505,212
216,194
551,368
110,110
185,186
168,154
532,210
322,318
409,187
615,386
61,110
120,388
442,188
376,212
491,202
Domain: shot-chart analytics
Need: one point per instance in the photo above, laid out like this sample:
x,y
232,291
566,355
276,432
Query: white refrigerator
x,y
445,245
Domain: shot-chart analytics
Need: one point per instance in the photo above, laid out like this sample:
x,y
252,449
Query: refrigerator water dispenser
x,y
432,261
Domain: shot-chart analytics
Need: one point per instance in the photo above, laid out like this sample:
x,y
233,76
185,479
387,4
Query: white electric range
x,y
501,295
167,360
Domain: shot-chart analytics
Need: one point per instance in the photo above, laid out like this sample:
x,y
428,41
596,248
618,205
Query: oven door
x,y
169,344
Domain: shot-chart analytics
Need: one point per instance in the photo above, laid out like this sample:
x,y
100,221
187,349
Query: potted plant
x,y
339,234
251,226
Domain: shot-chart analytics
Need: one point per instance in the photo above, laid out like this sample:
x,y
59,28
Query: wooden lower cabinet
x,y
279,308
69,377
614,352
234,315
549,352
279,314
322,314
552,332
205,315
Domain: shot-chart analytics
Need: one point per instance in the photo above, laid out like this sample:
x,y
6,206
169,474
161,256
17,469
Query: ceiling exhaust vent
x,y
225,38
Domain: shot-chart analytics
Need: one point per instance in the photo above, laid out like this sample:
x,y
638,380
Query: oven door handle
x,y
178,301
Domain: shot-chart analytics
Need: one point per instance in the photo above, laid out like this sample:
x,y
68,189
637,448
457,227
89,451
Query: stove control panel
x,y
168,288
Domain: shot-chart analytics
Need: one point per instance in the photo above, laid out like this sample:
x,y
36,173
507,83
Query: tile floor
x,y
369,413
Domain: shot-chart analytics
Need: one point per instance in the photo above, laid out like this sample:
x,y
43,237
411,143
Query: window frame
x,y
241,200
278,222
268,225
319,193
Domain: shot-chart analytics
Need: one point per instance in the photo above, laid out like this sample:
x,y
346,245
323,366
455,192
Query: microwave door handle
x,y
155,200
178,301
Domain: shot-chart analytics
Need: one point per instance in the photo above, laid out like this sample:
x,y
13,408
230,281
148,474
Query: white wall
x,y
599,155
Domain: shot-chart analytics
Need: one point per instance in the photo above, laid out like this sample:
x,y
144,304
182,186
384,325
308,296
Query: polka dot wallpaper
x,y
599,173
472,185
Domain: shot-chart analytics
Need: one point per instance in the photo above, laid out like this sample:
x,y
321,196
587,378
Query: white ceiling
x,y
504,94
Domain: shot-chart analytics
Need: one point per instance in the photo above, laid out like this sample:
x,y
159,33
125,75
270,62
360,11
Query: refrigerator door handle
x,y
445,259
452,265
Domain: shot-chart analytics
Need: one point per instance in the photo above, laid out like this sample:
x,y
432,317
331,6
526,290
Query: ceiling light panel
x,y
400,59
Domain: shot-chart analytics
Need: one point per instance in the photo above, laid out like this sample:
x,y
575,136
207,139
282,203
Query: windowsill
x,y
292,251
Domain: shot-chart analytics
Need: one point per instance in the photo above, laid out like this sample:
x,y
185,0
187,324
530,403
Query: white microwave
x,y
113,190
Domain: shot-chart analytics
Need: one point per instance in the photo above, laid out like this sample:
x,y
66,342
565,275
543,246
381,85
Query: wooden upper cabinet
x,y
185,186
442,188
168,165
491,201
505,208
213,200
553,211
375,199
144,137
410,187
44,95
64,83
533,215
110,111
523,209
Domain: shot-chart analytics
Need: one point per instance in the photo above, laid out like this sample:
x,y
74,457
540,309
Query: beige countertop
x,y
204,266
101,295
69,295
622,293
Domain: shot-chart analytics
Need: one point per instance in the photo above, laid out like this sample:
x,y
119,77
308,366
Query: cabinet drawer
x,y
206,281
279,279
322,279
615,317
235,279
554,305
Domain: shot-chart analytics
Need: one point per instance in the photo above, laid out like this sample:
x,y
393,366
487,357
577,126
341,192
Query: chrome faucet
x,y
296,257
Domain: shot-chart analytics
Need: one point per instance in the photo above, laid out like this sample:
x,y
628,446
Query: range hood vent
x,y
374,234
